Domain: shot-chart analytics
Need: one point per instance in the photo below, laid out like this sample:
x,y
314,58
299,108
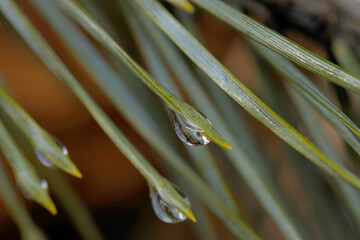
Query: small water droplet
x,y
46,161
64,150
163,210
43,183
189,133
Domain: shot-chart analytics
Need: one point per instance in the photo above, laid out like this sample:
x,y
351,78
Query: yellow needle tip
x,y
227,146
188,7
223,144
78,174
50,206
75,172
190,215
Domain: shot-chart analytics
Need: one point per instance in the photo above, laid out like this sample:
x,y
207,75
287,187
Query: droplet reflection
x,y
44,184
163,210
189,133
46,162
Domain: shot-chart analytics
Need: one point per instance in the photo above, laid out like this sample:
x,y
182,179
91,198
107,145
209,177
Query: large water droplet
x,y
46,161
163,210
189,133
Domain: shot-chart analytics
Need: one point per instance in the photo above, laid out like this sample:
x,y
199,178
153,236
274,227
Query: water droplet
x,y
43,184
189,133
163,210
61,146
46,161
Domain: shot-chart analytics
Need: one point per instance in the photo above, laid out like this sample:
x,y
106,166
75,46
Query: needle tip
x,y
50,206
226,145
76,173
190,215
188,7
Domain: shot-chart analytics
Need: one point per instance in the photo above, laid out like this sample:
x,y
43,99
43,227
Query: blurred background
x,y
112,189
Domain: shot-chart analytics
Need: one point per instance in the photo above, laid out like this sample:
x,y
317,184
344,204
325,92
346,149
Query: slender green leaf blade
x,y
226,80
345,133
16,208
311,181
147,127
345,56
28,32
66,196
281,45
38,137
341,123
24,172
182,108
208,168
294,76
318,101
243,162
346,192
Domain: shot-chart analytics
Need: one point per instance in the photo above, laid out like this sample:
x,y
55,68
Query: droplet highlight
x,y
46,162
188,132
44,184
163,210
